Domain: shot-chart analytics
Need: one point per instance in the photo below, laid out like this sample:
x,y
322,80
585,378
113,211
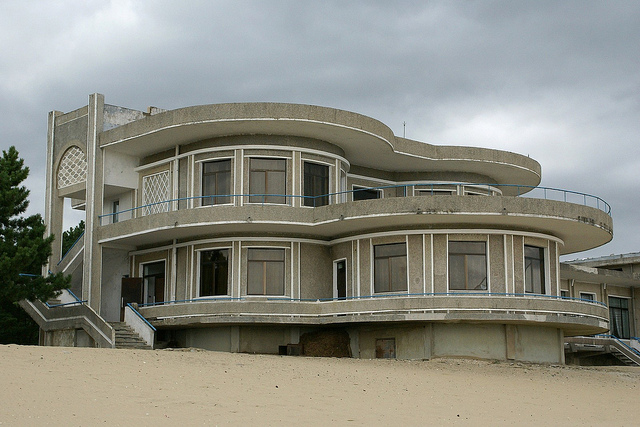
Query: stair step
x,y
127,338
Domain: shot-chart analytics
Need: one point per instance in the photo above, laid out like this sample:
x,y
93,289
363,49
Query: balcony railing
x,y
404,190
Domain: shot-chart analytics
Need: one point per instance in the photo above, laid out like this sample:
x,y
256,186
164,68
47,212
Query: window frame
x,y
626,328
265,263
530,288
266,197
315,200
466,265
587,296
211,199
200,271
390,266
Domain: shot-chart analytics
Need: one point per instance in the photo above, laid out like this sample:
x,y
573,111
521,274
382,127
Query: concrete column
x,y
54,205
95,176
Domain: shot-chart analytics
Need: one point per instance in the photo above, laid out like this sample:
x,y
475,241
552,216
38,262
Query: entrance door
x,y
340,279
131,291
153,282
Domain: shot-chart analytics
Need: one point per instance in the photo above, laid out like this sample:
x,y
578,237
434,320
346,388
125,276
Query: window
x,y
534,270
115,208
619,317
363,193
564,294
390,267
267,180
587,296
436,190
214,272
265,275
316,184
467,266
216,182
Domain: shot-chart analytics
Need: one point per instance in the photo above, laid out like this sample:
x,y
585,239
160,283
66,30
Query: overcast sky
x,y
559,81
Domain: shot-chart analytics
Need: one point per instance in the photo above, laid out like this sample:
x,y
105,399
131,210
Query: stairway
x,y
625,357
128,338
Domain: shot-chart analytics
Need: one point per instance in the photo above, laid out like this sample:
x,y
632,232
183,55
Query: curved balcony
x,y
574,317
579,226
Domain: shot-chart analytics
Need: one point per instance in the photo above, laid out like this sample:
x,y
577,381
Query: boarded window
x,y
267,180
265,272
390,267
385,348
467,266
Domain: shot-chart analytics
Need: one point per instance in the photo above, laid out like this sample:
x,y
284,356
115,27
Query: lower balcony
x,y
573,317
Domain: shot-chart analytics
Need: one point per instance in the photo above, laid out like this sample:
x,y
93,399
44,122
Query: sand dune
x,y
80,386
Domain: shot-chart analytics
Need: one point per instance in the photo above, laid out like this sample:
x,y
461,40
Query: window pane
x,y
534,270
255,278
266,254
457,276
381,275
395,249
275,277
398,273
316,183
477,272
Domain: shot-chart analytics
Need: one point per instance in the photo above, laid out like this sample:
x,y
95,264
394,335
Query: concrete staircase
x,y
127,338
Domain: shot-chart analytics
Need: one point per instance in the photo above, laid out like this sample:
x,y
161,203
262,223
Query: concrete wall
x,y
115,265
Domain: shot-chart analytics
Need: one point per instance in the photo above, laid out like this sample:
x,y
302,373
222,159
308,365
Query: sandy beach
x,y
85,386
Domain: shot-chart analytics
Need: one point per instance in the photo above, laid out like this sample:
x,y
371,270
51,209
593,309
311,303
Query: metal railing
x,y
619,341
374,296
137,313
403,190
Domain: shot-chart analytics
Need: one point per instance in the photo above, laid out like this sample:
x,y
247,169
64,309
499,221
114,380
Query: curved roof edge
x,y
366,141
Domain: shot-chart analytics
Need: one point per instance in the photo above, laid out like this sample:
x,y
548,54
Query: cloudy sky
x,y
556,80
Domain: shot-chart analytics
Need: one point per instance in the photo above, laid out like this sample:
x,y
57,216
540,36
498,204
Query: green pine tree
x,y
23,252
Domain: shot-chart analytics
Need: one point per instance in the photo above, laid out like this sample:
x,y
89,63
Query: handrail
x,y
74,295
70,248
586,199
65,304
140,316
222,298
624,344
382,295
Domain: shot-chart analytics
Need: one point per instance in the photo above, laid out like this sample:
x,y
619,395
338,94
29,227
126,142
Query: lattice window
x,y
155,189
72,168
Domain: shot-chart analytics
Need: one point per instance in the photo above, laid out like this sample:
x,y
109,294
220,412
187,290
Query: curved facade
x,y
244,227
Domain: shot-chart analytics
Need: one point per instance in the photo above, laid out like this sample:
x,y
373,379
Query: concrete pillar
x,y
54,205
94,199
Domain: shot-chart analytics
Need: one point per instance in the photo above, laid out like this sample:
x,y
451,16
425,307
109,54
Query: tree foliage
x,y
23,248
71,236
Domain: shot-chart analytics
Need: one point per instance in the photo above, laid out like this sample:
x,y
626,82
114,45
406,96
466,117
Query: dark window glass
x,y
587,297
341,279
534,270
316,184
361,193
467,266
265,272
115,209
216,182
267,180
619,317
214,272
390,267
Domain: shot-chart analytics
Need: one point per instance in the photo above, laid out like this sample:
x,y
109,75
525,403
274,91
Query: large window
x,y
265,275
534,270
214,272
468,266
619,317
316,184
390,267
216,182
267,180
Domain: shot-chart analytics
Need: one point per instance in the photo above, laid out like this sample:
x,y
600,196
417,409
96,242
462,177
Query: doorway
x,y
340,279
153,282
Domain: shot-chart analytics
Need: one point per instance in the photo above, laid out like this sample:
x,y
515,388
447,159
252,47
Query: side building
x,y
255,227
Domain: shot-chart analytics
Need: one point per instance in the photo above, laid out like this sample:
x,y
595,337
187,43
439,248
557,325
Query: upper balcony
x,y
581,221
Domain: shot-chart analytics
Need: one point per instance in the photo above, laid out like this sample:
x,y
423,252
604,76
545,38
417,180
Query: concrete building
x,y
253,227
